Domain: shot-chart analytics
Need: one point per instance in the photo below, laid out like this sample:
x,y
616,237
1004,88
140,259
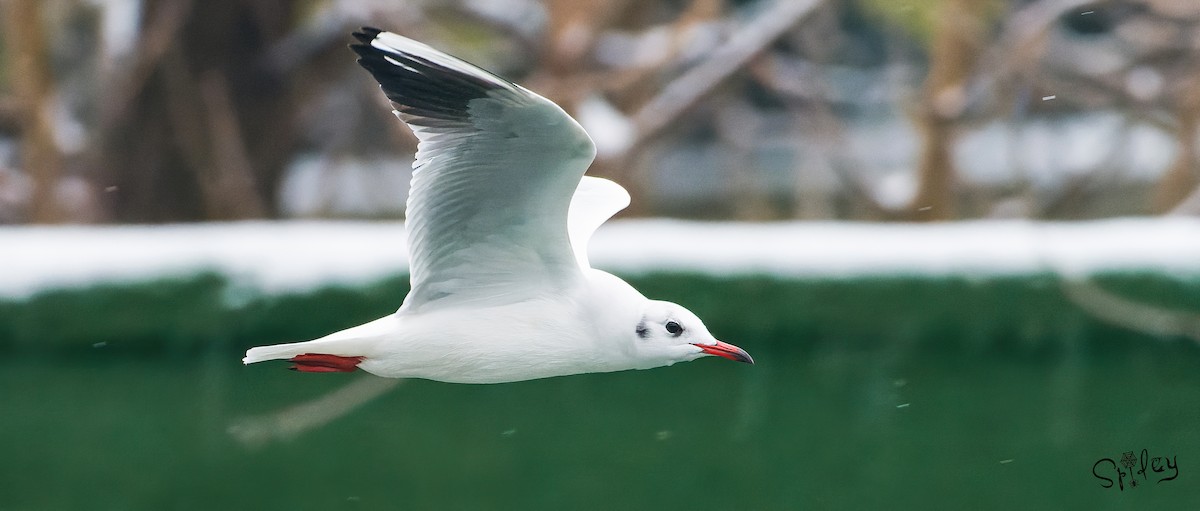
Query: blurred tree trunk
x,y
32,85
206,128
955,44
1181,178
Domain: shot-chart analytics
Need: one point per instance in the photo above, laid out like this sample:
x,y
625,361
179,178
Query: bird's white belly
x,y
491,345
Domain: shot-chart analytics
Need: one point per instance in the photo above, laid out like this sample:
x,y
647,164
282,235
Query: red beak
x,y
726,350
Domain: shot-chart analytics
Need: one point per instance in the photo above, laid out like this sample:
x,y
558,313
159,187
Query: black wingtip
x,y
362,50
419,83
366,34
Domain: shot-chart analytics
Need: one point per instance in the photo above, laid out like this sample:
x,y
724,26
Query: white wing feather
x,y
595,201
495,171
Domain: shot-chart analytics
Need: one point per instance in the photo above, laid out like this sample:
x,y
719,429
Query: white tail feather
x,y
275,352
351,342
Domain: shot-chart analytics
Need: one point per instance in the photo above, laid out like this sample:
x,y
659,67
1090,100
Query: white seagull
x,y
499,217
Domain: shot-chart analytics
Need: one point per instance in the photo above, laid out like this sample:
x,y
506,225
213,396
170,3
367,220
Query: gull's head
x,y
669,333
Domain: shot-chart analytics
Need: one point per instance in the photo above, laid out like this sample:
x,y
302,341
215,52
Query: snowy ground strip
x,y
287,256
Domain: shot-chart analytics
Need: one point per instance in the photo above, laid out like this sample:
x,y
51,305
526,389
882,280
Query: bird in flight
x,y
498,221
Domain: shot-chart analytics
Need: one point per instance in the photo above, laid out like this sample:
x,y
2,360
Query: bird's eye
x,y
674,328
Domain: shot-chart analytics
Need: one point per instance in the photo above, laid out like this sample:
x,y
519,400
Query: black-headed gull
x,y
499,217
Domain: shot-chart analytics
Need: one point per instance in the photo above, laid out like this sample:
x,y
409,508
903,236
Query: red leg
x,y
321,363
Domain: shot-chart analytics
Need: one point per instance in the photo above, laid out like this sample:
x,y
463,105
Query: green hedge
x,y
183,316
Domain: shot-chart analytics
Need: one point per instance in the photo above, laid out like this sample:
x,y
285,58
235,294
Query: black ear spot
x,y
642,331
674,328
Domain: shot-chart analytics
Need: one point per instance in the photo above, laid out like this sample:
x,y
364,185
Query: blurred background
x,y
175,110
159,157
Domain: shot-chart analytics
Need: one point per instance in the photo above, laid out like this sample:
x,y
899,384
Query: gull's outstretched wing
x,y
495,170
595,201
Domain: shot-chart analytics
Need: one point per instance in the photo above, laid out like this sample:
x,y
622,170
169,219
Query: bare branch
x,y
159,35
1023,37
748,41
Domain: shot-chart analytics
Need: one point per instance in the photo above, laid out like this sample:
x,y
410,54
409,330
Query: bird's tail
x,y
306,357
338,352
274,352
